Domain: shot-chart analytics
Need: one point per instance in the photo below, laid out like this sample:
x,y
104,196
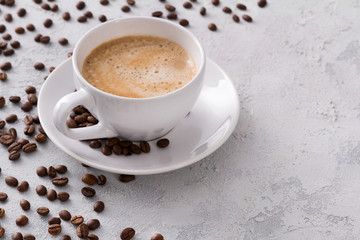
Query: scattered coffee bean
x,y
37,1
157,14
3,196
2,28
3,45
241,6
88,14
22,221
65,237
66,16
247,18
101,180
30,89
164,142
131,2
80,5
227,10
211,27
89,179
93,224
11,181
54,8
63,196
41,171
2,232
2,101
202,11
24,204
54,229
82,231
23,141
127,234
26,106
13,132
6,36
184,22
262,3
187,5
51,195
102,18
39,66
15,44
51,171
5,66
81,19
95,144
2,212
17,236
3,76
20,30
41,190
77,220
14,155
65,215
71,123
2,124
11,118
172,16
48,23
236,18
15,146
8,17
8,52
29,147
7,140
125,8
45,39
63,41
126,178
106,150
23,186
61,169
145,146
157,236
51,69
54,220
38,37
41,130
29,130
104,2
29,237
88,191
40,138
170,8
99,206
45,6
92,236
60,181
43,211
30,27
215,2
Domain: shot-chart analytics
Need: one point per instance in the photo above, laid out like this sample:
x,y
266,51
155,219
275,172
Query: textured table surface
x,y
291,169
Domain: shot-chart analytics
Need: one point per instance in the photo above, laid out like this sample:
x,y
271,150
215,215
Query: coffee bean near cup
x,y
138,76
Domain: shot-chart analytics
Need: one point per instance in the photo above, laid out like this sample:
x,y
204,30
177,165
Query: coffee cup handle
x,y
63,109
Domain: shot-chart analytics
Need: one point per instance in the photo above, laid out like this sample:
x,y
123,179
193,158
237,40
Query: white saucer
x,y
206,128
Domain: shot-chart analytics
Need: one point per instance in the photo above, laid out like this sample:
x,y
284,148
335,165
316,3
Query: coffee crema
x,y
138,66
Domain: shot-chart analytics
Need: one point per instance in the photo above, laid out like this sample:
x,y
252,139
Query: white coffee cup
x,y
130,118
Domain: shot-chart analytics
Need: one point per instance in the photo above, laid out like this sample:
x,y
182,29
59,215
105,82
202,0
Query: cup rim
x,y
82,79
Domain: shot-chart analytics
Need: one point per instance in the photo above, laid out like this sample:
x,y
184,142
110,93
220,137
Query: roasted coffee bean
x,y
11,118
20,30
95,144
45,6
51,171
131,2
93,224
22,220
262,3
211,27
3,45
2,133
24,204
101,180
63,196
80,119
81,19
7,37
236,18
3,196
51,195
84,124
104,2
63,41
92,236
23,141
30,89
145,146
40,138
247,18
54,8
65,215
187,5
135,149
26,106
126,152
17,236
99,206
8,52
11,181
106,150
102,18
61,169
170,8
184,22
2,232
14,155
88,179
29,237
157,14
82,231
37,1
66,16
41,171
8,17
39,66
9,3
13,132
41,190
2,212
77,220
127,234
36,119
125,144
2,124
2,101
60,181
215,2
6,66
28,119
54,220
241,6
172,16
41,130
71,123
2,28
65,237
3,76
43,211
157,236
29,129
125,8
44,39
88,191
88,14
51,69
7,139
54,229
14,99
80,5
126,178
15,44
117,149
227,10
92,119
163,143
30,27
23,186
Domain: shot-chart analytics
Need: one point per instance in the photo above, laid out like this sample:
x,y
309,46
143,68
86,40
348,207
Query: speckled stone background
x,y
291,170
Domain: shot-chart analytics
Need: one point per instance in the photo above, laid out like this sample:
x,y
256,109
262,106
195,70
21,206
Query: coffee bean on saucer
x,y
157,14
54,220
63,41
65,215
5,66
41,171
89,179
3,196
125,8
163,143
61,169
8,17
80,5
71,123
170,8
125,143
99,206
104,2
60,181
24,204
95,144
135,149
157,236
247,18
172,16
29,129
92,119
17,236
45,6
80,119
127,234
54,229
15,44
22,221
43,211
77,220
29,237
102,18
145,146
82,231
106,150
30,27
241,6
81,19
126,178
40,138
51,195
41,190
227,10
3,76
2,212
66,16
212,27
93,224
117,149
111,141
184,22
63,196
215,2
187,5
262,3
88,191
11,181
126,152
11,118
236,18
26,106
23,186
101,180
54,8
45,39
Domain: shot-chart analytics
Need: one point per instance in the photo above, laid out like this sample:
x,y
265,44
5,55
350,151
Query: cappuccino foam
x,y
139,66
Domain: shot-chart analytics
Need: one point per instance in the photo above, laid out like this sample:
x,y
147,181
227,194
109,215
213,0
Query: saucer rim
x,y
180,165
